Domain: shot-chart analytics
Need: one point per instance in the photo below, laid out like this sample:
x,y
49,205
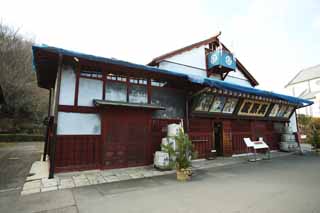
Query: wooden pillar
x,y
227,138
55,121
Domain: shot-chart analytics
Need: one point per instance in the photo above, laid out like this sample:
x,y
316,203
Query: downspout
x,y
55,121
47,130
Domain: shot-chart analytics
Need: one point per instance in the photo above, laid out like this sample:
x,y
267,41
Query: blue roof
x,y
210,82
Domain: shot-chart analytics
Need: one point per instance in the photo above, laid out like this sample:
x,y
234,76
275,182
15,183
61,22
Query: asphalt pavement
x,y
284,184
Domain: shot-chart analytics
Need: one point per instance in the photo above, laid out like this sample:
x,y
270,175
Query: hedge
x,y
20,138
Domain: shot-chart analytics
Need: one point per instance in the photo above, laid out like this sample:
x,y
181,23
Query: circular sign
x,y
228,60
214,59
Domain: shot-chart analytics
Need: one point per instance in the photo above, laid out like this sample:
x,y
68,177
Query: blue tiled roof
x,y
192,78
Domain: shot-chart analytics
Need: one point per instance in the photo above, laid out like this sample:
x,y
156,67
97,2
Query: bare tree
x,y
17,78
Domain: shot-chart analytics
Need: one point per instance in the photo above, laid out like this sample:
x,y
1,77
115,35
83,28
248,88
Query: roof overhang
x,y
46,63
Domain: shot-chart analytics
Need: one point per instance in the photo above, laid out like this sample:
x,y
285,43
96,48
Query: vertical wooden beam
x,y
128,88
104,83
55,121
149,90
76,92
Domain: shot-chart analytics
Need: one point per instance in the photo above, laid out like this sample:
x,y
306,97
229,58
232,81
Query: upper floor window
x,y
90,74
116,78
156,83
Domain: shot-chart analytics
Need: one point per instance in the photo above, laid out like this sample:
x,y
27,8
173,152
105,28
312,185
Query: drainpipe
x,y
55,121
47,130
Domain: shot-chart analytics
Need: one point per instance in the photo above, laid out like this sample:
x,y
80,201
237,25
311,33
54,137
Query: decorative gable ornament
x,y
221,61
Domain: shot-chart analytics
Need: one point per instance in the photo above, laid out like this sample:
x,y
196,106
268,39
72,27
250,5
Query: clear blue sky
x,y
273,39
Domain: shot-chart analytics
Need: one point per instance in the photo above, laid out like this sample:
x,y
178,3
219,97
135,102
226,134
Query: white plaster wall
x,y
194,58
197,60
181,69
70,123
67,86
235,80
89,89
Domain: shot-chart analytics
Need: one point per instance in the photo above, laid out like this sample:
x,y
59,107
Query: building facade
x,y
106,113
306,85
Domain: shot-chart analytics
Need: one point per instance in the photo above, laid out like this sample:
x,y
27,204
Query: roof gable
x,y
215,38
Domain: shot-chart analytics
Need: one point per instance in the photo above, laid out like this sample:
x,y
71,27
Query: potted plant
x,y
181,156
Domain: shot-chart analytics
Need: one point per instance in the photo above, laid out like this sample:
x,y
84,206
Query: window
x,y
90,74
274,110
218,104
255,108
116,78
203,103
288,112
246,106
138,81
138,94
156,83
116,91
230,105
282,110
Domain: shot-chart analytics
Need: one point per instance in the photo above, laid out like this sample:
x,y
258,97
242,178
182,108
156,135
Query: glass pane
x,y
246,107
288,112
255,108
138,94
116,91
263,109
218,104
230,105
274,110
173,101
282,110
203,103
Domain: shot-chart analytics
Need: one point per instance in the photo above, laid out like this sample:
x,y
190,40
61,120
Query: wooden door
x,y
126,137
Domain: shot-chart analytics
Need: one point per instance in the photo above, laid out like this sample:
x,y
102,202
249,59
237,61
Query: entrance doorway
x,y
126,137
217,129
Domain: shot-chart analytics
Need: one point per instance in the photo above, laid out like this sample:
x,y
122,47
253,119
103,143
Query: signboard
x,y
254,108
221,59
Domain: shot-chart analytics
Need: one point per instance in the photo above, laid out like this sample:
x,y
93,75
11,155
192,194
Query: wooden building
x,y
107,113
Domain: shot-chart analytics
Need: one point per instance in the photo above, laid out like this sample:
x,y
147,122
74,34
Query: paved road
x,y
286,184
15,162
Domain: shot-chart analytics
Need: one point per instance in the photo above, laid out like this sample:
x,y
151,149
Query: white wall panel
x,y
194,58
70,123
89,89
182,69
67,86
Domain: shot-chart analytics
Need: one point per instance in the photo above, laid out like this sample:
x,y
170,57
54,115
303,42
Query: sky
x,y
274,39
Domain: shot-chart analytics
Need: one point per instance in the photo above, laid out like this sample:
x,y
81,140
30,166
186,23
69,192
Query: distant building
x,y
306,85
